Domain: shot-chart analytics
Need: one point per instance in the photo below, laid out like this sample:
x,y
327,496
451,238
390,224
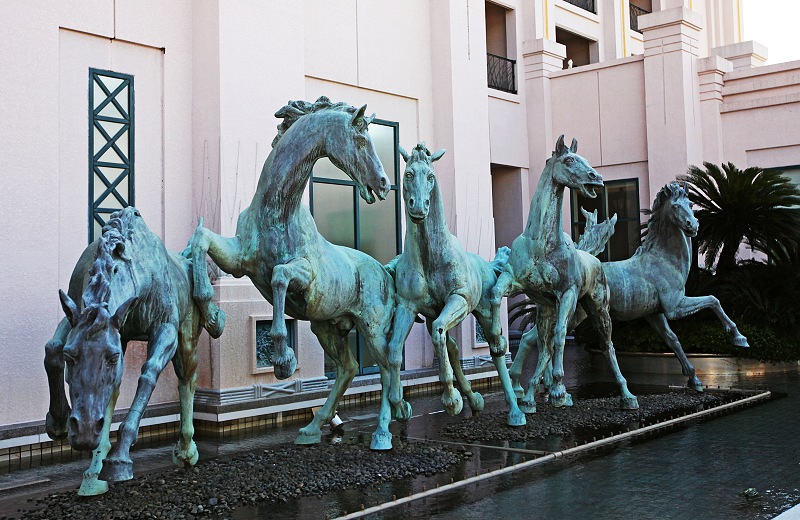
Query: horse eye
x,y
430,178
137,213
112,360
409,176
361,141
569,160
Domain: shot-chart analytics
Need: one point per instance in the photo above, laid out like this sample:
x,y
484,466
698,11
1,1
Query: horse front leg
x,y
185,453
564,312
296,275
59,410
529,340
660,325
475,399
334,342
498,345
228,255
545,318
160,350
502,288
91,484
453,313
402,322
692,304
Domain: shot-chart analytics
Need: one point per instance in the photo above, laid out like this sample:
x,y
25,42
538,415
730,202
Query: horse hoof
x,y
695,384
215,321
56,429
284,370
526,407
740,341
519,391
629,403
308,438
559,397
381,441
402,412
453,404
117,470
185,458
91,486
516,418
476,402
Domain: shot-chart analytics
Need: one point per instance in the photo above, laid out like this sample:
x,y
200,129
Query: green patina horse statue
x,y
437,278
131,288
546,266
278,247
651,283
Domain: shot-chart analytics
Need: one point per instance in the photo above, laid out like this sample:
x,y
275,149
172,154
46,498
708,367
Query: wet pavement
x,y
699,469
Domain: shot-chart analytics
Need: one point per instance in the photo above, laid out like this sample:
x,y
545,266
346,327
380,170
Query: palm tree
x,y
751,205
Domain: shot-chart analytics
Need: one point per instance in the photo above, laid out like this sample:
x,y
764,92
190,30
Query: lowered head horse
x,y
131,289
278,247
546,266
651,283
436,277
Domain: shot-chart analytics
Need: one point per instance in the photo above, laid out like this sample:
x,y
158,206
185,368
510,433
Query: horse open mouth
x,y
417,218
588,189
366,193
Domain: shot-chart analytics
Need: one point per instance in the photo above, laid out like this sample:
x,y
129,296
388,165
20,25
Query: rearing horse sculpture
x,y
546,266
436,277
278,247
651,283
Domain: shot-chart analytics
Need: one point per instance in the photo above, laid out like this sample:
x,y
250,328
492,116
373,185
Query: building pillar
x,y
674,133
540,58
711,73
743,55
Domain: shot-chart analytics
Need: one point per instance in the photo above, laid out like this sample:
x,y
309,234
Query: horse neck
x,y
544,215
287,170
431,237
670,244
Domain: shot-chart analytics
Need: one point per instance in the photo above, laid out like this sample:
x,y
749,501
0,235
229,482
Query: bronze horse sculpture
x,y
436,277
131,288
651,283
278,247
546,266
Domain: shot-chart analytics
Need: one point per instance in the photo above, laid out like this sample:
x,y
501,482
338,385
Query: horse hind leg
x,y
475,399
544,318
498,345
526,343
334,342
453,313
185,453
660,325
564,313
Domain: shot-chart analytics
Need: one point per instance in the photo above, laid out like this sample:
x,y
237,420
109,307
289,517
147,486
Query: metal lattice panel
x,y
110,146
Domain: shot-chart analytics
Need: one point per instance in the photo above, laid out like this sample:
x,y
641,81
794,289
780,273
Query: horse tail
x,y
594,238
500,260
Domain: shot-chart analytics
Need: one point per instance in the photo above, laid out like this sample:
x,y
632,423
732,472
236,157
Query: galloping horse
x,y
546,266
651,283
278,247
133,289
436,277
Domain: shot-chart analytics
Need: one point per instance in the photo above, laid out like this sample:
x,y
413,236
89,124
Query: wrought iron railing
x,y
588,5
636,12
502,73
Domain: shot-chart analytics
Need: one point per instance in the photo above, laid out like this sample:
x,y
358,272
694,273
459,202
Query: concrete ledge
x,y
704,364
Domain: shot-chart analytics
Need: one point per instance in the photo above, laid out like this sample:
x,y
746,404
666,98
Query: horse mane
x,y
421,153
116,233
297,109
672,192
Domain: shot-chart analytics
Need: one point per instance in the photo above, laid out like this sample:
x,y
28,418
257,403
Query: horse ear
x,y
438,155
404,154
369,119
358,117
560,148
574,147
122,312
70,309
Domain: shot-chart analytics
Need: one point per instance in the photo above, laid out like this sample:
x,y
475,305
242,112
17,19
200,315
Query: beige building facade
x,y
169,106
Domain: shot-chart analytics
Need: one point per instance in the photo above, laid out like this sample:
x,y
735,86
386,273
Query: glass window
x,y
345,219
110,146
620,197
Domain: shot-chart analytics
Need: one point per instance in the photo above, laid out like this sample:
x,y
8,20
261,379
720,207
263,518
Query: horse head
x,y
93,349
673,200
570,169
418,181
349,147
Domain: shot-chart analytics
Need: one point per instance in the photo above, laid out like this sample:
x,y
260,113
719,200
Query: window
x,y
343,218
110,146
500,47
264,347
580,50
620,197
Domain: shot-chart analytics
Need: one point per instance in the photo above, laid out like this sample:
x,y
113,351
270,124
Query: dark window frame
x,y
96,211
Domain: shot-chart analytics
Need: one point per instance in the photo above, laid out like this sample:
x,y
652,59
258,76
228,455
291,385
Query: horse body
x,y
134,289
277,245
436,277
545,264
651,283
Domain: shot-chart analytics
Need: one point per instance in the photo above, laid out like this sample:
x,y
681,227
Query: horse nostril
x,y
428,203
72,425
411,203
98,426
384,183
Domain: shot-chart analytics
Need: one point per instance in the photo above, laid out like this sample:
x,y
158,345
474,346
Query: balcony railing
x,y
587,5
636,12
501,73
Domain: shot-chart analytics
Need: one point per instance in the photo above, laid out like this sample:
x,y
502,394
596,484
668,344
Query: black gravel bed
x,y
212,489
584,418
